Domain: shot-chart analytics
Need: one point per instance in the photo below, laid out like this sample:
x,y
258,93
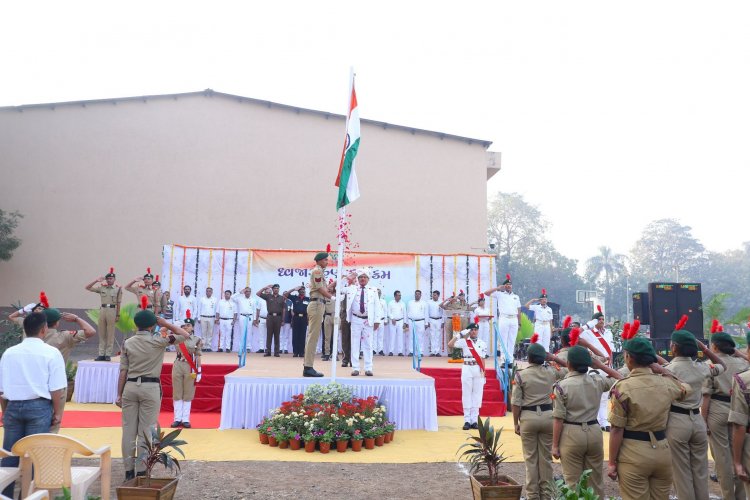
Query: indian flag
x,y
346,180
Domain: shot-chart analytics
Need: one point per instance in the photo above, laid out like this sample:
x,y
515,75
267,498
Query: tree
x,y
8,224
604,270
667,251
516,227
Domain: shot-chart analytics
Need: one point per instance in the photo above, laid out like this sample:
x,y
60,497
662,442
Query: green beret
x,y
145,319
638,345
188,321
579,355
683,337
597,315
321,256
472,326
537,350
53,316
723,336
565,335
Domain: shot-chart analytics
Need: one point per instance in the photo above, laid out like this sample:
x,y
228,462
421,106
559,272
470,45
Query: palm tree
x,y
604,270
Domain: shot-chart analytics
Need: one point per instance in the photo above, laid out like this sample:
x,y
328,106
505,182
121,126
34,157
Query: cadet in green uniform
x,y
715,412
64,341
532,417
686,429
183,376
109,313
639,456
577,437
739,417
139,387
318,295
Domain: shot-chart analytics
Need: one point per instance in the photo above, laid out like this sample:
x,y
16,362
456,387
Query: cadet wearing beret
x,y
739,417
185,373
318,295
144,290
110,294
474,350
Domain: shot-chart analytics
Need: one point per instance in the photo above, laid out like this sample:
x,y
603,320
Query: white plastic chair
x,y
37,495
8,474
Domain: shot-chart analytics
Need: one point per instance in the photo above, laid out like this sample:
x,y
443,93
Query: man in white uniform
x,y
542,319
258,343
185,301
226,315
483,314
416,311
435,323
508,318
207,316
246,314
601,343
380,332
472,372
363,311
396,314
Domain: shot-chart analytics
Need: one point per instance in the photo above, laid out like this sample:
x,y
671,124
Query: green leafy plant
x,y
561,491
483,453
66,495
326,437
156,448
333,393
126,323
11,333
71,368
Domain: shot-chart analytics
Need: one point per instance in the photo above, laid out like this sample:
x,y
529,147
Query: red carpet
x,y
207,392
448,390
85,419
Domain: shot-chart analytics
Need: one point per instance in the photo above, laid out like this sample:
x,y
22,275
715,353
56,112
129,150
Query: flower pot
x,y
369,443
283,445
295,444
356,445
510,490
263,438
142,488
387,437
325,447
390,435
393,435
310,446
379,440
342,445
272,441
71,386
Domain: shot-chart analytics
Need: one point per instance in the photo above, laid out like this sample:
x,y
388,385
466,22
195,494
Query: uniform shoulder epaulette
x,y
557,387
517,378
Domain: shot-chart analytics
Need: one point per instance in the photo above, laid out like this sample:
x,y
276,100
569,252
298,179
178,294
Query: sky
x,y
608,115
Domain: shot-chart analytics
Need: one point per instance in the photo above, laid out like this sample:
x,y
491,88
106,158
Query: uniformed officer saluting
x,y
473,378
139,388
111,296
318,295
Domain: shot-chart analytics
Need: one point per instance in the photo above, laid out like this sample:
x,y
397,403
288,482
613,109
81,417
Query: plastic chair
x,y
51,455
8,474
37,495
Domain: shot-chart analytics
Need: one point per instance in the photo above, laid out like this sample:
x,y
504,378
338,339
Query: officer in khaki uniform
x,y
639,454
139,387
577,438
451,306
328,347
64,341
183,376
532,417
739,417
318,295
686,429
145,290
109,313
715,410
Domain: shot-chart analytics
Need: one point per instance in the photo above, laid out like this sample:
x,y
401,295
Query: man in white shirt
x,y
380,332
207,316
363,311
184,302
542,319
435,323
396,314
416,311
602,344
246,314
32,379
226,315
260,330
508,318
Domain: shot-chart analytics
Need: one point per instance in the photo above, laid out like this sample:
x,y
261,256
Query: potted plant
x,y
309,442
263,430
390,430
581,490
155,449
380,438
325,441
342,441
357,438
71,367
483,455
370,434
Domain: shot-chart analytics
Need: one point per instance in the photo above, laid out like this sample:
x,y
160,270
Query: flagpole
x,y
339,289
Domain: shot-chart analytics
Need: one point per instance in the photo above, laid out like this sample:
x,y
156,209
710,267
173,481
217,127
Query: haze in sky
x,y
608,115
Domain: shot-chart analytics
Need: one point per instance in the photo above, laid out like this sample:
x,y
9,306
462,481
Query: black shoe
x,y
227,350
326,358
355,373
207,349
401,354
260,351
176,424
390,354
99,358
107,358
309,371
438,355
267,355
474,426
129,475
277,355
286,352
368,373
466,426
186,425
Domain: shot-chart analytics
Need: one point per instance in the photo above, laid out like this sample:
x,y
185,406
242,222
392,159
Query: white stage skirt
x,y
96,382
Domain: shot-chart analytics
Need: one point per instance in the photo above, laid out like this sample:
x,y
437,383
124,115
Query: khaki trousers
x,y
644,472
183,384
746,461
536,443
720,442
315,311
581,448
327,334
140,412
106,330
689,445
54,429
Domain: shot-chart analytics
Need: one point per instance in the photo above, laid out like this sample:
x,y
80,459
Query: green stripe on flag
x,y
346,171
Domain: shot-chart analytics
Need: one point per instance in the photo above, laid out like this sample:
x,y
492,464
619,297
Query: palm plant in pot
x,y
155,449
483,456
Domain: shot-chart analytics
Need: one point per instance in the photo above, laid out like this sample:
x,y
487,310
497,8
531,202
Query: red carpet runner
x,y
207,392
90,419
448,389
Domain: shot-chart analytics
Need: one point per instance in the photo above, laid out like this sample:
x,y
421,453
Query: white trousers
x,y
603,408
285,339
418,328
508,330
545,334
396,337
207,331
259,336
472,388
379,337
484,331
239,331
436,332
225,333
361,341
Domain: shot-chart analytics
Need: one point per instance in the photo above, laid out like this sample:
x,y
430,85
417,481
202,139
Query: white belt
x,y
543,321
509,315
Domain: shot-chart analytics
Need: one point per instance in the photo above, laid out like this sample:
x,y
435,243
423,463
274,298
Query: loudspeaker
x,y
640,308
690,302
662,304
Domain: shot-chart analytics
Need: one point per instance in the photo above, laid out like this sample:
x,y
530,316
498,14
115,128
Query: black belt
x,y
202,316
362,317
327,314
227,319
545,407
721,397
417,319
322,301
246,314
684,411
644,436
110,306
262,317
145,379
435,318
397,319
590,422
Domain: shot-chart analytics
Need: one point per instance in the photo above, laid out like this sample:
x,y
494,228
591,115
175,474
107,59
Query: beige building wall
x,y
107,183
